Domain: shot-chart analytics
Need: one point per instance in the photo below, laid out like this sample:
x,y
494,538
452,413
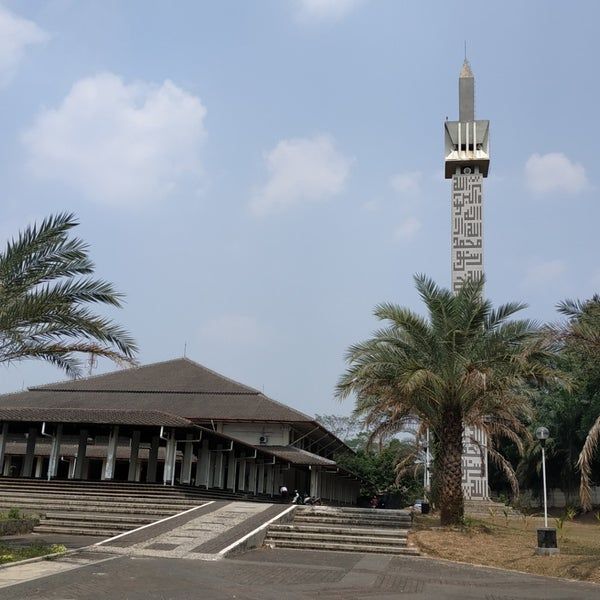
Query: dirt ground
x,y
510,543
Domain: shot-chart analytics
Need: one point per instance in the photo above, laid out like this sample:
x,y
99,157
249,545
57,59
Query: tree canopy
x,y
465,363
47,292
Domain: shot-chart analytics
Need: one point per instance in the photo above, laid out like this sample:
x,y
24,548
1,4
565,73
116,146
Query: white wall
x,y
278,434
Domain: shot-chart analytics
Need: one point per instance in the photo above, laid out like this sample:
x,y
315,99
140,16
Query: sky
x,y
255,176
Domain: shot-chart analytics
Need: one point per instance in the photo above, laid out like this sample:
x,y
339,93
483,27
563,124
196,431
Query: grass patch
x,y
510,543
10,553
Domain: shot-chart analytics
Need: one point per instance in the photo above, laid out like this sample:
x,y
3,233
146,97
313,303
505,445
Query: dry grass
x,y
510,544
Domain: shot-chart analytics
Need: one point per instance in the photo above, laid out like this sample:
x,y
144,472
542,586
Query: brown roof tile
x,y
180,387
93,415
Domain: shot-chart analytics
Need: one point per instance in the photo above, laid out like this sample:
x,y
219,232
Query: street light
x,y
546,535
542,434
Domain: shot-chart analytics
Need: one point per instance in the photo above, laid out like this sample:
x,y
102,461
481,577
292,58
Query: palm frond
x,y
584,464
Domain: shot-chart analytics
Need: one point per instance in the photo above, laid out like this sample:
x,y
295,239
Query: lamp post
x,y
426,478
546,535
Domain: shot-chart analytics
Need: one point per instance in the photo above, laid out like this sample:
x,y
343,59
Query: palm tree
x,y
465,364
580,336
46,294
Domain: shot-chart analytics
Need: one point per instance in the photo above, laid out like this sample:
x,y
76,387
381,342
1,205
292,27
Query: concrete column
x,y
39,465
315,482
202,470
270,479
220,468
170,460
81,450
55,452
3,436
152,459
261,478
111,454
252,480
7,465
71,470
242,475
133,455
231,471
186,467
27,467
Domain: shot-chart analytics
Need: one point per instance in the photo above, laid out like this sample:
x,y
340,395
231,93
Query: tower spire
x,y
466,94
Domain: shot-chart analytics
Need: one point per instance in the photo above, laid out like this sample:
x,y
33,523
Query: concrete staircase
x,y
487,508
344,529
98,508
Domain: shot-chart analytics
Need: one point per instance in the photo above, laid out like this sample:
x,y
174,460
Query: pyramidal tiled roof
x,y
180,387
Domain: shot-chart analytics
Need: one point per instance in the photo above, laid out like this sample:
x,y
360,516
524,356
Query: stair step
x,y
97,496
368,531
355,511
77,531
351,522
87,525
101,517
365,540
306,545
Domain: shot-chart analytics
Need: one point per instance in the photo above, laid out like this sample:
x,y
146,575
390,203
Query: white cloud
x,y
325,10
407,229
301,170
119,143
540,273
407,183
554,172
16,34
233,330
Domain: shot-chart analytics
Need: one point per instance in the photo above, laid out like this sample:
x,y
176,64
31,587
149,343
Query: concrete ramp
x,y
206,532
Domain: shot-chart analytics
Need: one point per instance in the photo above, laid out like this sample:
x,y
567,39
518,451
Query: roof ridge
x,y
197,364
182,392
97,376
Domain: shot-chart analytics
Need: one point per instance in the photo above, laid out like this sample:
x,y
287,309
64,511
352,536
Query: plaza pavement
x,y
292,574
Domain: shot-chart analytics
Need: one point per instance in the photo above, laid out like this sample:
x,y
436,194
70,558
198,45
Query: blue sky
x,y
256,175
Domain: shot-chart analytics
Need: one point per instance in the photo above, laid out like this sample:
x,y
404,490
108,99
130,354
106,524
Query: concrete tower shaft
x,y
467,159
466,94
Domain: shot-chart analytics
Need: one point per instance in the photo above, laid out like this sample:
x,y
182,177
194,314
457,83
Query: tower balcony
x,y
466,144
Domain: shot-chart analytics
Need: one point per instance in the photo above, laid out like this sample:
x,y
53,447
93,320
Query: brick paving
x,y
155,530
235,533
199,534
294,575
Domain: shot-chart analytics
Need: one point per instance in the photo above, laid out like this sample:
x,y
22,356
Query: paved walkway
x,y
293,575
198,534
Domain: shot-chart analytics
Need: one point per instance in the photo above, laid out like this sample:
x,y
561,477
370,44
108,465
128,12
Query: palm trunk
x,y
450,472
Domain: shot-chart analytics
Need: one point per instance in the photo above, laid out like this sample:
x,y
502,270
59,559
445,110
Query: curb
x,y
47,557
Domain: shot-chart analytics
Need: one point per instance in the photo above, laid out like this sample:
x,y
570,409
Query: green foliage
x,y
378,468
10,553
14,513
46,294
350,429
465,363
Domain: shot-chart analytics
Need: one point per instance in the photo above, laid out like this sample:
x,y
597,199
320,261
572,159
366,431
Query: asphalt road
x,y
294,574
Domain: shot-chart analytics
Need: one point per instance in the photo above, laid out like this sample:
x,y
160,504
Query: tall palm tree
x,y
46,297
581,338
464,364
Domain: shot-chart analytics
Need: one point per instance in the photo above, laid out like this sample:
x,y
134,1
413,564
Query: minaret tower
x,y
467,161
